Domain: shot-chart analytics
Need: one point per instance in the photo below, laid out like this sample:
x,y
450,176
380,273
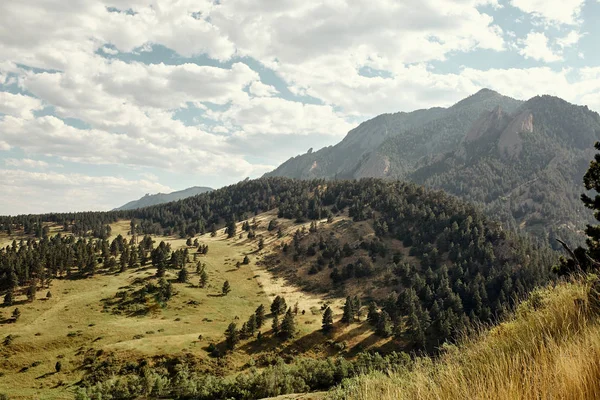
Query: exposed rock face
x,y
390,145
510,142
374,166
487,122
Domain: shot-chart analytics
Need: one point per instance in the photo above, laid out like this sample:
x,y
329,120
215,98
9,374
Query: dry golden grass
x,y
76,308
550,350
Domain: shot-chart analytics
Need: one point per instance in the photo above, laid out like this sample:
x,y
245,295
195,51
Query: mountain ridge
x,y
520,160
160,198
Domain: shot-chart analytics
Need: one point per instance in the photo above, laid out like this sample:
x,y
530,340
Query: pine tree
x,y
356,307
348,315
231,228
133,258
384,325
288,325
203,279
58,366
260,316
278,306
226,288
182,277
251,325
275,324
327,323
246,260
232,336
9,298
31,291
373,315
16,314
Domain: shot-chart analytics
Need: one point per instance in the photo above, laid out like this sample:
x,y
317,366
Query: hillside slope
x,y
550,349
399,267
524,167
362,152
161,198
521,161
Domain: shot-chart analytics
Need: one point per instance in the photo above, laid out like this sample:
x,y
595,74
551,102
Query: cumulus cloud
x,y
26,163
71,60
49,135
553,11
535,46
570,39
35,192
19,105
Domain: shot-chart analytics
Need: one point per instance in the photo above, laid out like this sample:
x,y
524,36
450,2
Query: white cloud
x,y
259,89
26,163
317,48
553,11
535,46
277,116
571,39
576,87
35,192
49,135
19,105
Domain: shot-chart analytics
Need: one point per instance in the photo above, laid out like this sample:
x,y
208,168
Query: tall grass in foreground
x,y
549,350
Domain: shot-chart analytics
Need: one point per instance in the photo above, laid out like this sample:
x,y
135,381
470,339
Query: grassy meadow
x,y
79,320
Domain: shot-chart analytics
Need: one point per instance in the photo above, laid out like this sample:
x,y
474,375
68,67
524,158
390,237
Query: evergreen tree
x,y
232,336
31,291
356,307
182,277
16,314
278,306
246,260
373,315
288,325
327,323
275,324
251,325
260,316
384,325
203,279
58,366
9,298
231,228
133,258
348,315
226,288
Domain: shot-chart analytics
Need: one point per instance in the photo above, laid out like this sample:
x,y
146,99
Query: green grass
x,y
73,324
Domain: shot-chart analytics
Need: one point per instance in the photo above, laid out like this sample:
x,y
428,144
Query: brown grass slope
x,y
550,349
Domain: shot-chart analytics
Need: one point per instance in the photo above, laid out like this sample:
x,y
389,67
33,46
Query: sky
x,y
103,101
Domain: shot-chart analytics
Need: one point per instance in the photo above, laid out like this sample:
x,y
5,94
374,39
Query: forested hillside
x,y
520,161
524,167
449,264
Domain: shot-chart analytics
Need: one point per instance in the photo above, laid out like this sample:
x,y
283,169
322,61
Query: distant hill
x,y
161,198
521,161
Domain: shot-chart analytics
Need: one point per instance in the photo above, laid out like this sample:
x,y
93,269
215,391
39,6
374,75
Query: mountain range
x,y
521,161
161,198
